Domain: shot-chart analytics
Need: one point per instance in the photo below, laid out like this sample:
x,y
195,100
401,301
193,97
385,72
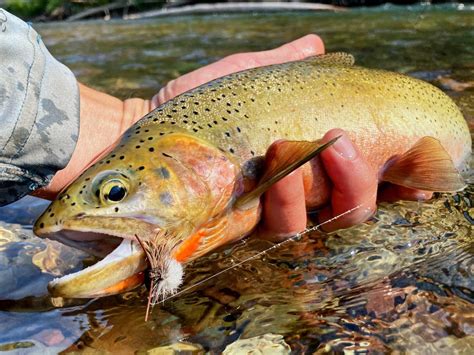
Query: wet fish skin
x,y
184,164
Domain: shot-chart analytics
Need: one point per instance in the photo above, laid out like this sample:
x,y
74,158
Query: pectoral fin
x,y
426,166
207,238
291,156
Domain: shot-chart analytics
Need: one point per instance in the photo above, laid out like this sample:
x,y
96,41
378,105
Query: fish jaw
x,y
122,227
120,271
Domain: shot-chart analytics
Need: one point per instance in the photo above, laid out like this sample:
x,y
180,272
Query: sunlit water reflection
x,y
403,281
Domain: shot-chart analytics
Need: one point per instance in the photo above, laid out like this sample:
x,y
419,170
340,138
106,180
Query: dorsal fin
x,y
293,154
337,58
425,166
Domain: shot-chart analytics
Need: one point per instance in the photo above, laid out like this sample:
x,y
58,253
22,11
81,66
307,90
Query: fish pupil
x,y
116,193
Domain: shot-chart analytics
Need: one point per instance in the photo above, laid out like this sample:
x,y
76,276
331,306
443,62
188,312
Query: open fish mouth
x,y
121,269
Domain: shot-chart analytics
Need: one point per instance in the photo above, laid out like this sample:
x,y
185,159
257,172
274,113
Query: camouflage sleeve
x,y
39,111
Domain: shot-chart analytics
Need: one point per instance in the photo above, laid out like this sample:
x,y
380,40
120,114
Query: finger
x,y
301,48
354,183
391,193
284,208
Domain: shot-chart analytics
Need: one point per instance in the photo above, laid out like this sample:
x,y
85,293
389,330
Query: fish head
x,y
172,186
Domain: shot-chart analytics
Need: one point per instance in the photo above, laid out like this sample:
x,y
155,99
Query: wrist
x,y
103,120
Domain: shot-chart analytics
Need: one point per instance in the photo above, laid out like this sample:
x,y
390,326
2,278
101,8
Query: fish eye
x,y
113,191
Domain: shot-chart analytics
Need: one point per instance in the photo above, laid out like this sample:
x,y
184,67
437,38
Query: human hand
x,y
304,47
354,186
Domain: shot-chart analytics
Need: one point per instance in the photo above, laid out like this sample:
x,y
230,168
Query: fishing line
x,y
275,246
426,5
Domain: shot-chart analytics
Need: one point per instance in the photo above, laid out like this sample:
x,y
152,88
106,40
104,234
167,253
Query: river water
x,y
402,282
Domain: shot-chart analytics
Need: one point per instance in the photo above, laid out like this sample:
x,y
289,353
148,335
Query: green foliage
x,y
54,4
60,9
26,8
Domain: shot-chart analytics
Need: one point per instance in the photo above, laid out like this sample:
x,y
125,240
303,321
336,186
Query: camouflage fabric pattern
x,y
39,111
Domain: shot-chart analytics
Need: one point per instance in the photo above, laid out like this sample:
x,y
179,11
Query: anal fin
x,y
425,166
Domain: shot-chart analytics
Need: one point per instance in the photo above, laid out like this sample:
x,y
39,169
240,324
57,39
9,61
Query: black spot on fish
x,y
151,149
141,168
122,157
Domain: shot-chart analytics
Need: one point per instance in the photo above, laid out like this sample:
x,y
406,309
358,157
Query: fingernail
x,y
345,148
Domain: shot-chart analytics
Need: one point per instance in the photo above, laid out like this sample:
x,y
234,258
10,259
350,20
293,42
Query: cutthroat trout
x,y
191,171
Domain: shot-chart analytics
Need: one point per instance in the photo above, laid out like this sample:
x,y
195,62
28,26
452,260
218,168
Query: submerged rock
x,y
267,344
177,348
